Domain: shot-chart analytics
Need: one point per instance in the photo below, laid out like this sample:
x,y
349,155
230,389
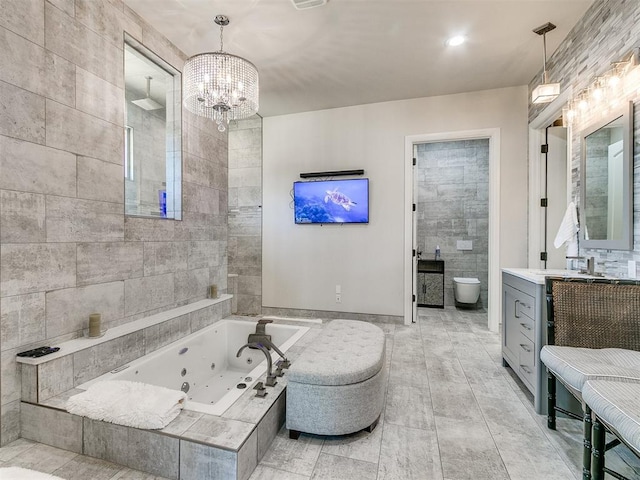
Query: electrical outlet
x,y
338,298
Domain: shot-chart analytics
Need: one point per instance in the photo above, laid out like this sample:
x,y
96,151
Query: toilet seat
x,y
466,280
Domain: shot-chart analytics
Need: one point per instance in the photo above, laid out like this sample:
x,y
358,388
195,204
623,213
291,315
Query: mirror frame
x,y
626,243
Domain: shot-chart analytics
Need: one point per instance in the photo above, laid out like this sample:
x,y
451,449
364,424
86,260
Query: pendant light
x,y
545,92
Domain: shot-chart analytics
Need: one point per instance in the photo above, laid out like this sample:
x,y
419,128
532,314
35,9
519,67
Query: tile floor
x,y
452,413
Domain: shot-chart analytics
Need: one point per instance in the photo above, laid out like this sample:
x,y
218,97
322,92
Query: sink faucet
x,y
271,378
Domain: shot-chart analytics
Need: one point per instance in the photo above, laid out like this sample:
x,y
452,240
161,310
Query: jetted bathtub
x,y
204,364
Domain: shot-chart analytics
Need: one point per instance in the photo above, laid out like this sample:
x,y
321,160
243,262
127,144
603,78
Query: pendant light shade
x,y
220,86
545,92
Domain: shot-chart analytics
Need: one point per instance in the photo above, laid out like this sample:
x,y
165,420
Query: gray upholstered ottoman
x,y
337,385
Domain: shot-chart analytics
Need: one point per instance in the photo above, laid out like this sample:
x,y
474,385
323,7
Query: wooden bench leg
x,y
597,460
586,448
372,426
551,400
294,434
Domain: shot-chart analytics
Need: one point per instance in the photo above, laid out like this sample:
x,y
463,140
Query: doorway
x,y
493,261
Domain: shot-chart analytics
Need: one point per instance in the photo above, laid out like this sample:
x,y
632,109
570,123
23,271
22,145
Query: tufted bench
x,y
336,386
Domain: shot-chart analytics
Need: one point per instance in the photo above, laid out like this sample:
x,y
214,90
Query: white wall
x,y
302,264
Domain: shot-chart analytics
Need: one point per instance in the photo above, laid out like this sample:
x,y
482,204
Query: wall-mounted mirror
x,y
153,135
607,182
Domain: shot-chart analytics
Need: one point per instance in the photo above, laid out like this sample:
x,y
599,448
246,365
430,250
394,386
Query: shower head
x,y
148,103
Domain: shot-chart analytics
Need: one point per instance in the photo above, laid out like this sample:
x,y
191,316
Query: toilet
x,y
466,291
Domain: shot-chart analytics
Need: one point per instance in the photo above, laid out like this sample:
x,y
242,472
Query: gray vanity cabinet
x,y
524,334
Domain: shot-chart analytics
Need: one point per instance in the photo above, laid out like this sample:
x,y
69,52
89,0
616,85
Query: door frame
x,y
493,134
537,128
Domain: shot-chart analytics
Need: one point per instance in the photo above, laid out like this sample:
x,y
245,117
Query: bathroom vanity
x,y
430,283
524,329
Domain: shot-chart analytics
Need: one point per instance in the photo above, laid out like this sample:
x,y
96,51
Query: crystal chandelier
x,y
220,86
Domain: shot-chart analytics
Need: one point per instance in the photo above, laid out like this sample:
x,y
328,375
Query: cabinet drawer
x,y
526,327
526,353
525,306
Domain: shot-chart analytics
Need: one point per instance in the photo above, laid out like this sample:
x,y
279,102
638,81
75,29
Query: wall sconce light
x,y
605,92
545,92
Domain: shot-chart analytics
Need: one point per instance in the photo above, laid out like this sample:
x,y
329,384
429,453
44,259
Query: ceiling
x,y
351,52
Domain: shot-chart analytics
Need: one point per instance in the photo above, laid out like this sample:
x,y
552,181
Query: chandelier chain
x,y
221,40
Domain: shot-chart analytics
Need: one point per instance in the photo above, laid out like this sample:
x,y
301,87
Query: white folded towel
x,y
568,231
132,404
17,473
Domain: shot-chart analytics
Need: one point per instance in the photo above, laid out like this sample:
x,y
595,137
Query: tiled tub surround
x,y
207,362
83,359
194,446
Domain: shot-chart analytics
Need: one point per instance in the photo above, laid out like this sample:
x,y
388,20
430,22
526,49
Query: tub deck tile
x,y
221,432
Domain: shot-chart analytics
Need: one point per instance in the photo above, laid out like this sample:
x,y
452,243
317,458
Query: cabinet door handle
x,y
525,348
515,308
526,369
525,326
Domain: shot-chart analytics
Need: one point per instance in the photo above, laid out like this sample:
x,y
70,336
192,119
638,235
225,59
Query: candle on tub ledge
x,y
94,325
213,291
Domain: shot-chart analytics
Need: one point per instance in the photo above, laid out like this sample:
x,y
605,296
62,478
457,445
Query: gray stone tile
x,y
72,40
149,229
52,427
409,453
55,377
32,267
77,132
24,114
104,18
29,66
15,448
182,422
105,440
24,18
362,445
223,432
408,406
22,320
191,284
77,220
158,336
87,467
200,199
153,452
92,362
68,310
42,458
99,180
22,217
467,450
247,459
10,422
454,400
98,97
164,257
107,262
129,474
146,293
331,467
67,6
299,456
35,168
201,461
9,379
269,473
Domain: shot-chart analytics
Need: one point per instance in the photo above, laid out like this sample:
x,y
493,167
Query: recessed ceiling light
x,y
455,41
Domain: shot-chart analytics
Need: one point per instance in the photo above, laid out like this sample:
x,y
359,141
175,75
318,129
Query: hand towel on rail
x,y
132,404
568,231
17,473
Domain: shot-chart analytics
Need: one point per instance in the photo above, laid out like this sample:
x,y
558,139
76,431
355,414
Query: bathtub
x,y
204,364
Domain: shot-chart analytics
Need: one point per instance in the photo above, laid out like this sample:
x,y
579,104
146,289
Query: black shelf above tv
x,y
337,173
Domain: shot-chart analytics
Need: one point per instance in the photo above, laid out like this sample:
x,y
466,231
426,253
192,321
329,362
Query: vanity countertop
x,y
537,275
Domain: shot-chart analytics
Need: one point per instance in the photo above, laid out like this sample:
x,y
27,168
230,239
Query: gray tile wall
x,y
608,30
245,213
66,248
453,204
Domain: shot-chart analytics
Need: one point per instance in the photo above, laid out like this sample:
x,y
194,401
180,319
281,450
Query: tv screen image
x,y
332,201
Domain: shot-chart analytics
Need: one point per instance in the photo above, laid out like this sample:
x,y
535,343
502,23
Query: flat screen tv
x,y
331,201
